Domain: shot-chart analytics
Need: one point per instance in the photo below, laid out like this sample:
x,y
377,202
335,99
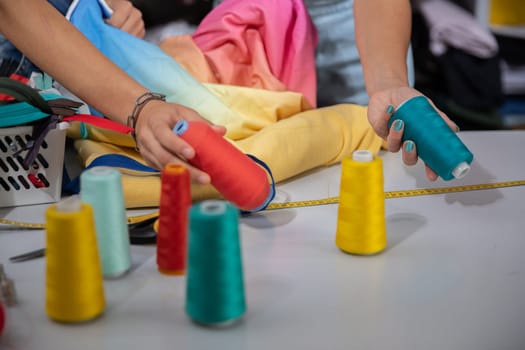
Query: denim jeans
x,y
338,67
339,72
12,60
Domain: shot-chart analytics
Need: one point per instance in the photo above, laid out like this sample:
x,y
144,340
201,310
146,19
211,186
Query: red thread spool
x,y
235,175
2,318
172,232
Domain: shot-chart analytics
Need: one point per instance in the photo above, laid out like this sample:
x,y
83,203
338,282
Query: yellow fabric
x,y
279,128
254,108
313,138
251,110
100,135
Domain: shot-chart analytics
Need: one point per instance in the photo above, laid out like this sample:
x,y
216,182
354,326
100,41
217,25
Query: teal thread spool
x,y
437,145
101,187
215,286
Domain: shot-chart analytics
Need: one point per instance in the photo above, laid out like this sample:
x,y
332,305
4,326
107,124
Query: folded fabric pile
x,y
248,67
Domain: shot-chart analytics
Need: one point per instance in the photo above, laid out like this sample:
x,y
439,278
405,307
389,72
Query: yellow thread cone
x,y
507,12
74,288
361,224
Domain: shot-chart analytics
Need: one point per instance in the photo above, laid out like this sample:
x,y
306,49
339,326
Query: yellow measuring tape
x,y
316,202
402,193
134,219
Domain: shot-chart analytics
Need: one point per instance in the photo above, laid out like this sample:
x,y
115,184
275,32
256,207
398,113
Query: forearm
x,y
55,46
383,34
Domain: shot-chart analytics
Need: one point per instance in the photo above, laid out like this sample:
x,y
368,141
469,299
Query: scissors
x,y
140,233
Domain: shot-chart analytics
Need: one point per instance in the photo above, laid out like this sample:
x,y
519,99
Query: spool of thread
x,y
214,287
235,175
101,188
172,230
361,224
437,145
74,288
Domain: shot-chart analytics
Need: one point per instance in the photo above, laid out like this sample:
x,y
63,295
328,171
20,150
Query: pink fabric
x,y
261,43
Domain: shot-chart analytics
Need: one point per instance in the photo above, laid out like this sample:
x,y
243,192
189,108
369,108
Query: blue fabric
x,y
72,186
145,62
19,63
121,161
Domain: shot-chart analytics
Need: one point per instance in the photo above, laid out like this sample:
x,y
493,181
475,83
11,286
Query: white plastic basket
x,y
38,184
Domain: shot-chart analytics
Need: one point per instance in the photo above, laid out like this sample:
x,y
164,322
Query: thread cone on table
x,y
437,145
101,188
214,286
361,222
172,231
74,287
237,177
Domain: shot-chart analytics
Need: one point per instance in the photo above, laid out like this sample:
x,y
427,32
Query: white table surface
x,y
452,276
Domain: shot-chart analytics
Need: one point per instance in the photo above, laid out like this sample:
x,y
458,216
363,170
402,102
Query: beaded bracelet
x,y
140,102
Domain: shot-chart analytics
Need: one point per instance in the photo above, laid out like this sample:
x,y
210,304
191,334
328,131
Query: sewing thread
x,y
172,230
235,175
361,223
214,287
437,145
74,288
101,188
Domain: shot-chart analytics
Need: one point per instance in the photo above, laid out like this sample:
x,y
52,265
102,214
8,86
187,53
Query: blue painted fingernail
x,y
409,146
390,109
398,125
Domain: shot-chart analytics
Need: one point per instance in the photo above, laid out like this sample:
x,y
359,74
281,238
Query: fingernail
x,y
409,146
203,179
398,125
187,153
390,109
457,127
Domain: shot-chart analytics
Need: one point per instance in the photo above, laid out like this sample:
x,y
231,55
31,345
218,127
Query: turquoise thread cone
x,y
215,287
101,187
437,145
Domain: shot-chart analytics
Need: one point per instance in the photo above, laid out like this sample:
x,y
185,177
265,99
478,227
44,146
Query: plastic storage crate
x,y
39,183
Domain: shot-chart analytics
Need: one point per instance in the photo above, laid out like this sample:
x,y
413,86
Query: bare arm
x,y
383,29
383,34
59,49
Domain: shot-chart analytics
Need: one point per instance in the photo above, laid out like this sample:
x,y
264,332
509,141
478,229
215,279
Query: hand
x,y
379,115
157,142
126,17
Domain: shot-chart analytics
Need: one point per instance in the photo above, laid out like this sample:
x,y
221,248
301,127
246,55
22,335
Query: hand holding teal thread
x,y
437,145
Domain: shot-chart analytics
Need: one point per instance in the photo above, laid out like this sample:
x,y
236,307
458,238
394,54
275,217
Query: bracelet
x,y
140,102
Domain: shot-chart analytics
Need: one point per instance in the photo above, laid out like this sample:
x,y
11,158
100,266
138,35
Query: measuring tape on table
x,y
133,219
324,201
401,194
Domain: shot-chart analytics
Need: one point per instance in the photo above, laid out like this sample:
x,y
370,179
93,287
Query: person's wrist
x,y
139,105
386,82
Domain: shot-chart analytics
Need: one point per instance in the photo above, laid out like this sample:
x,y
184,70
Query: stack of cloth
x,y
247,66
